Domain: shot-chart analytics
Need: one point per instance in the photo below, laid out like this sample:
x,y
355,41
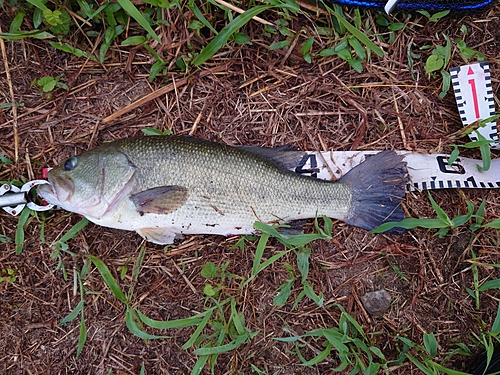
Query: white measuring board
x,y
474,96
426,171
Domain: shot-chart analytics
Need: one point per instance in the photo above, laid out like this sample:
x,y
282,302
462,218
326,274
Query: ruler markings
x,y
426,171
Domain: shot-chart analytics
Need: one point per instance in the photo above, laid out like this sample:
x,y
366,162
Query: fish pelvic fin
x,y
160,236
378,185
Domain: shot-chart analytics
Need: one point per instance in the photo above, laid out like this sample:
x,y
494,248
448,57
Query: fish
x,y
165,187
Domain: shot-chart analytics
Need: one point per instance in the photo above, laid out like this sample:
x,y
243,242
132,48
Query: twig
x,y
400,123
239,10
12,97
191,286
161,91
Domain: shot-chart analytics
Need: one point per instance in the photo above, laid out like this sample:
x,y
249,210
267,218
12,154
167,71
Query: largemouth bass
x,y
166,186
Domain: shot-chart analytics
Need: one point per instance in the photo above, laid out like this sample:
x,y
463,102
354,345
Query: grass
x,y
349,341
443,222
117,20
221,327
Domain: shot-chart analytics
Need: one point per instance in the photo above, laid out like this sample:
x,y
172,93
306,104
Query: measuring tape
x,y
426,171
474,96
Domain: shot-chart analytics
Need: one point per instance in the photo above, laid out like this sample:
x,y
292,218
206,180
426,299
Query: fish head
x,y
91,184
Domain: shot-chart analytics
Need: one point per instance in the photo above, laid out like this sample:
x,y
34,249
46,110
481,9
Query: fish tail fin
x,y
378,185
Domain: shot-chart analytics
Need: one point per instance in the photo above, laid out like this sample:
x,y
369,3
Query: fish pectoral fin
x,y
160,236
160,200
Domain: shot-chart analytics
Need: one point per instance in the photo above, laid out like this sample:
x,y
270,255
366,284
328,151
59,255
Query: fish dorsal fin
x,y
286,157
160,200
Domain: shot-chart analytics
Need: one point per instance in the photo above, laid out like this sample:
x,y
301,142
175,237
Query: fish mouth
x,y
58,190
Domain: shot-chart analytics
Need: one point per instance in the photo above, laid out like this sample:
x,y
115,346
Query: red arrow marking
x,y
472,84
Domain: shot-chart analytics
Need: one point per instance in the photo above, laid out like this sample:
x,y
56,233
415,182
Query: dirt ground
x,y
245,95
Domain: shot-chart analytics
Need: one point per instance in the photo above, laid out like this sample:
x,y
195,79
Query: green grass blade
x,y
287,339
333,336
485,153
82,338
237,320
397,270
108,278
377,352
439,211
200,363
17,21
284,292
3,158
21,225
177,323
73,314
430,344
410,223
490,284
480,213
448,371
73,232
303,262
197,12
495,224
296,241
223,348
138,263
36,34
134,328
300,240
319,358
218,42
354,323
135,14
265,264
454,155
267,229
38,4
420,365
495,327
197,332
259,252
359,35
309,291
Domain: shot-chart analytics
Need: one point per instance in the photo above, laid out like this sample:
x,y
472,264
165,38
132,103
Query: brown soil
x,y
245,95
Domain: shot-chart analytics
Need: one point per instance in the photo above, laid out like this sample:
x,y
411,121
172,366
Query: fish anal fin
x,y
293,228
160,200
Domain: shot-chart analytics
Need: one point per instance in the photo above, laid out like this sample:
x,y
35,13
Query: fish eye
x,y
70,164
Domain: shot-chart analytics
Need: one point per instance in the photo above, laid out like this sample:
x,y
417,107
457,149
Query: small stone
x,y
376,303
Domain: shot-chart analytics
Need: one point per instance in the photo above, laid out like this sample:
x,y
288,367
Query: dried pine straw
x,y
245,95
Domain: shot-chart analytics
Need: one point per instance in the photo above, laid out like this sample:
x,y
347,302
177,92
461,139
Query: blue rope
x,y
463,5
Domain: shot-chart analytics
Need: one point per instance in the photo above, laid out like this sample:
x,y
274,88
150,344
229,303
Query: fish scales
x,y
166,186
240,184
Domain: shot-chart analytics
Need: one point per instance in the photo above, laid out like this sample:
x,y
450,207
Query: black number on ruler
x,y
313,170
453,168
